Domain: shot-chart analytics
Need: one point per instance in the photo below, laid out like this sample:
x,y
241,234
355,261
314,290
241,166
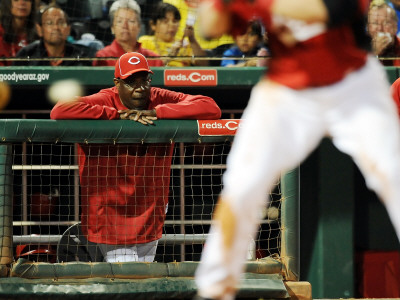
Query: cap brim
x,y
135,71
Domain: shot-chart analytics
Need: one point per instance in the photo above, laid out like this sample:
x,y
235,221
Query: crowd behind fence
x,y
89,29
98,32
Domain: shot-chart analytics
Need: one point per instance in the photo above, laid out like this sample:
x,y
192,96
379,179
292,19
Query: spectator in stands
x,y
125,25
124,188
189,16
382,27
53,28
164,24
246,45
17,27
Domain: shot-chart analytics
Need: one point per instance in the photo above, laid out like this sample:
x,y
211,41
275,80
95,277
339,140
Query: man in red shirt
x,y
124,188
320,81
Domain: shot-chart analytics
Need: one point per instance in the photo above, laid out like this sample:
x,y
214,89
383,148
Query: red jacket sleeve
x,y
175,105
100,106
168,104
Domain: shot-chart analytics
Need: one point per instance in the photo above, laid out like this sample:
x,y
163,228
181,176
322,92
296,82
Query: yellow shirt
x,y
162,48
205,44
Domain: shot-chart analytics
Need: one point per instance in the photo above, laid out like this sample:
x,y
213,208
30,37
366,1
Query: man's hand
x,y
189,32
145,117
381,41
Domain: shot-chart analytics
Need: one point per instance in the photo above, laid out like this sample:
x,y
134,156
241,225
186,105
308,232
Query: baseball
x,y
5,93
65,90
273,213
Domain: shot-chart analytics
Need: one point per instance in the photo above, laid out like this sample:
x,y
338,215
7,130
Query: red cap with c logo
x,y
130,63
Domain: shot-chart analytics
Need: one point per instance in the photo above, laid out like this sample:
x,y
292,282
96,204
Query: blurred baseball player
x,y
321,81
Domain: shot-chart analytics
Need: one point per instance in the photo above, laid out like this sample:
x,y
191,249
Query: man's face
x,y
54,29
381,20
134,91
126,25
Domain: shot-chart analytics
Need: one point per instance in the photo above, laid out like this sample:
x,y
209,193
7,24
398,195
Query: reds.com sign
x,y
190,77
218,127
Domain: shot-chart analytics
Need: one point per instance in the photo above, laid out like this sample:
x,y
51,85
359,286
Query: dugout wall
x,y
172,275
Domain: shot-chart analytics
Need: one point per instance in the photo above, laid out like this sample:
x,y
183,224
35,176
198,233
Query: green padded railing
x,y
94,131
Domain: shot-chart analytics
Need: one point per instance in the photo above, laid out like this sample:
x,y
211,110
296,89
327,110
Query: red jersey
x,y
115,50
11,49
321,60
124,188
317,54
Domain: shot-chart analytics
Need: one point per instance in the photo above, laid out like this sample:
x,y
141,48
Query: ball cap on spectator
x,y
130,63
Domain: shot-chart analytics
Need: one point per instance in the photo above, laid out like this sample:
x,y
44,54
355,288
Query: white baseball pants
x,y
280,127
126,253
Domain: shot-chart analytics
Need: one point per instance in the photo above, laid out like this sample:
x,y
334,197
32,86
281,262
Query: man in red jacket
x,y
124,188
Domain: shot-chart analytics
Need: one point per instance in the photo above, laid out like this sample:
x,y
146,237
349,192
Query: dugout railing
x,y
172,277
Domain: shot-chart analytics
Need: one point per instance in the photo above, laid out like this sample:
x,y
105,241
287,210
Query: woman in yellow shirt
x,y
165,23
